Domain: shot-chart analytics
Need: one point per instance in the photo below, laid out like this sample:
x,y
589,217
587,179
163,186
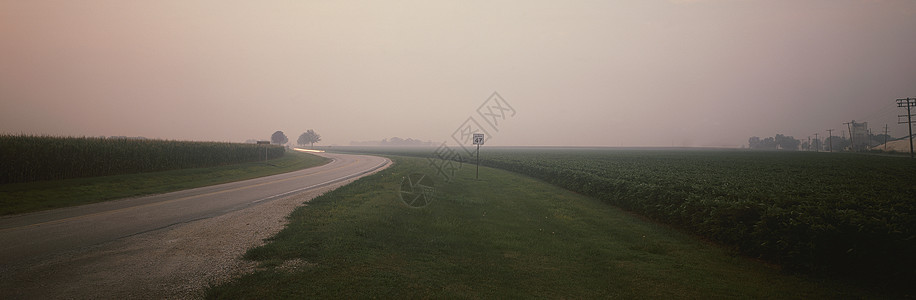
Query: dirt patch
x,y
899,146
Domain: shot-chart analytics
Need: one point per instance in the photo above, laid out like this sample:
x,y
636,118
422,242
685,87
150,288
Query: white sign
x,y
478,139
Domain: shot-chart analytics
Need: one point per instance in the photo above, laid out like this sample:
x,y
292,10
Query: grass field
x,y
504,236
25,197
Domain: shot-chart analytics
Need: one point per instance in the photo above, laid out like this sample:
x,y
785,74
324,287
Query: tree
x,y
309,137
753,142
787,142
817,145
775,143
768,143
279,138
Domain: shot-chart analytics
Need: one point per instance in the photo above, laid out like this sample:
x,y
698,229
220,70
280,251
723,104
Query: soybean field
x,y
852,215
823,212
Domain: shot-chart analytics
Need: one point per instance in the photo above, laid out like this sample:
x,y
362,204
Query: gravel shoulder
x,y
176,262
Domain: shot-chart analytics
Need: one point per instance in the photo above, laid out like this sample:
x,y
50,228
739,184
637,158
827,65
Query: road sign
x,y
478,139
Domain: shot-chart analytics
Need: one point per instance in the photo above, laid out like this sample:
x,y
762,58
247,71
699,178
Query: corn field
x,y
26,158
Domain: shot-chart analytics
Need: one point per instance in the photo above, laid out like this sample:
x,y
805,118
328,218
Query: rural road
x,y
33,239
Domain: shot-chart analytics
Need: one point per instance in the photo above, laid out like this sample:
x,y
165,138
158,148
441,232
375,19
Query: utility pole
x,y
908,102
885,137
852,144
815,139
809,143
830,139
868,138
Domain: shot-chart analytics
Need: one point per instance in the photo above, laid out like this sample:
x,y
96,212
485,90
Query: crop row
x,y
841,213
34,158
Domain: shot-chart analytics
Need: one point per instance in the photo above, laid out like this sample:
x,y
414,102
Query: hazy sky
x,y
602,73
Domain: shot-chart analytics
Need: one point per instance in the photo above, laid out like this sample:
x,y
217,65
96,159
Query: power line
x,y
885,111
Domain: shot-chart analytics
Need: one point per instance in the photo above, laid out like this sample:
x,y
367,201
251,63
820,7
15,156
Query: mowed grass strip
x,y
19,198
503,236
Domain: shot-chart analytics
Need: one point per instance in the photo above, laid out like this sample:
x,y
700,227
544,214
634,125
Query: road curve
x,y
29,237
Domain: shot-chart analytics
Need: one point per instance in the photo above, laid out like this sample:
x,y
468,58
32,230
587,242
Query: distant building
x,y
859,135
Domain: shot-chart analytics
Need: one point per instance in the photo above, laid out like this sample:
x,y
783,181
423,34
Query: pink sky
x,y
585,73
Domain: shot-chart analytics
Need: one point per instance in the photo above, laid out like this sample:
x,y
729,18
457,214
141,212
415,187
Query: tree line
x,y
309,137
832,143
395,141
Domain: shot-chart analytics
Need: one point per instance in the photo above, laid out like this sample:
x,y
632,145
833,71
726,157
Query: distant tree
x,y
776,143
768,143
878,139
836,143
279,138
753,142
395,141
817,144
309,137
787,142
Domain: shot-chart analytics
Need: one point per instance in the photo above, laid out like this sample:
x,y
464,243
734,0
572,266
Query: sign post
x,y
478,140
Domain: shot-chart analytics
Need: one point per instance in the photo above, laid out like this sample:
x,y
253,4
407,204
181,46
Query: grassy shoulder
x,y
43,195
504,236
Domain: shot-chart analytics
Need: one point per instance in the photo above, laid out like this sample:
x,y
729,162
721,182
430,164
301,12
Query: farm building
x,y
859,134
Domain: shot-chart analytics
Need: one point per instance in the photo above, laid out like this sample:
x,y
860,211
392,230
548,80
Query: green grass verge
x,y
19,198
504,236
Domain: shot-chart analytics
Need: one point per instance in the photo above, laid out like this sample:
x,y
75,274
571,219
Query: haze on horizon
x,y
577,73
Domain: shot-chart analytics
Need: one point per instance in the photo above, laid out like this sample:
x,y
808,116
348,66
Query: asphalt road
x,y
29,237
